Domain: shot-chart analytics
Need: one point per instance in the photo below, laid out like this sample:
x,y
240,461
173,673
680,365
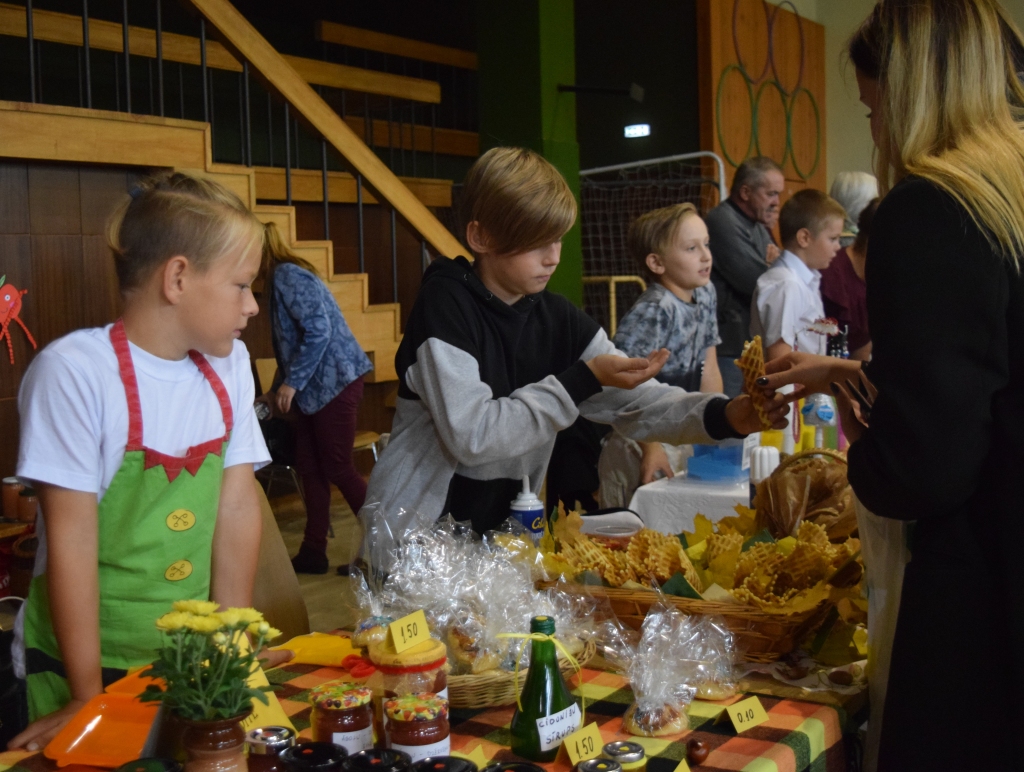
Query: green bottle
x,y
550,712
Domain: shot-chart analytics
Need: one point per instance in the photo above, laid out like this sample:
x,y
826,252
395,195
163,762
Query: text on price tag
x,y
746,714
583,744
409,631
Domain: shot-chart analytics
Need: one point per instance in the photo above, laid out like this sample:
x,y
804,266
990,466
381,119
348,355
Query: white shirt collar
x,y
808,276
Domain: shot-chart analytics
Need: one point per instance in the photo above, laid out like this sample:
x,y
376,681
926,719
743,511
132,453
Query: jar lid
x,y
425,706
270,740
599,765
624,752
320,757
444,764
513,766
378,760
425,653
16,481
340,695
149,765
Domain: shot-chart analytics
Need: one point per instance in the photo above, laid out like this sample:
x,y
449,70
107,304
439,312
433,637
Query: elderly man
x,y
742,248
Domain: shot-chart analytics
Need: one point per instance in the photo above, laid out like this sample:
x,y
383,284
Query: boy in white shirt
x,y
786,309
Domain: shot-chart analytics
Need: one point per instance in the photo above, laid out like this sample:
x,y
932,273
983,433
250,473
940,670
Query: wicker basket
x,y
760,636
498,687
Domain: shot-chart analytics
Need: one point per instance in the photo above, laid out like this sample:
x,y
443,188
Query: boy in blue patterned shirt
x,y
678,311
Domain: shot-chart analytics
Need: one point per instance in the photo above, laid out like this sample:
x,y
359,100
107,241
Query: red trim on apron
x,y
195,455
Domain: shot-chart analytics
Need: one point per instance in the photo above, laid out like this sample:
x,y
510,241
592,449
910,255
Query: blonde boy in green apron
x,y
141,440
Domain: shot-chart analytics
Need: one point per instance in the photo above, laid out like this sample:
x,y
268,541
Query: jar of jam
x,y
265,746
423,668
11,488
342,714
378,760
418,725
28,505
631,756
313,757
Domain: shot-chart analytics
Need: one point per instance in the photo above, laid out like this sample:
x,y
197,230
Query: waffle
x,y
720,543
751,364
805,567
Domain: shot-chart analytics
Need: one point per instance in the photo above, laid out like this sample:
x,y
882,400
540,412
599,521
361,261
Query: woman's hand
x,y
284,398
626,373
743,418
39,733
811,373
271,659
653,460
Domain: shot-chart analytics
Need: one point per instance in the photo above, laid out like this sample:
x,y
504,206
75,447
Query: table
x,y
670,505
798,736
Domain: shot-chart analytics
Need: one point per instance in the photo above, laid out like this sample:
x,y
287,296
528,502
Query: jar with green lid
x,y
417,724
265,746
630,756
342,714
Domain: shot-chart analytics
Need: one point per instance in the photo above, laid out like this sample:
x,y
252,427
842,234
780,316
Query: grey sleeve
x,y
652,411
736,256
475,427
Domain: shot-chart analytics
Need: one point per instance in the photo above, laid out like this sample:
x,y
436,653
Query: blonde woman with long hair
x,y
941,444
320,369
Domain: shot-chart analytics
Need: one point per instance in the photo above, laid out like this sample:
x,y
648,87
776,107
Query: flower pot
x,y
216,745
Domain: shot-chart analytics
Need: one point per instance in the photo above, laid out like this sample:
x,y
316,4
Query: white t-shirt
x,y
786,302
74,416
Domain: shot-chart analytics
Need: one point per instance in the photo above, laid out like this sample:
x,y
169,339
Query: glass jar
x,y
421,669
631,756
342,714
265,746
28,505
313,757
417,724
378,760
12,487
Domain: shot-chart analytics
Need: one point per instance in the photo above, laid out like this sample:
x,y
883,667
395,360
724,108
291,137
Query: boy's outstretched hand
x,y
626,373
743,418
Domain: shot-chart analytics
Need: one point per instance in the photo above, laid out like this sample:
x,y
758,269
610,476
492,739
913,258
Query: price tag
x,y
409,631
746,714
583,744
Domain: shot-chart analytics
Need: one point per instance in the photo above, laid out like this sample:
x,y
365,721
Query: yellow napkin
x,y
319,649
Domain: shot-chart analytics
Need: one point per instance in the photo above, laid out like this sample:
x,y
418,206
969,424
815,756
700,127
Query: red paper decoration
x,y
10,307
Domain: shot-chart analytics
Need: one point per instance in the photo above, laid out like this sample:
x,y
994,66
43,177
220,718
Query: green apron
x,y
156,523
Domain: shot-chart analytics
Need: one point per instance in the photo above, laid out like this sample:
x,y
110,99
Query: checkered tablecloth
x,y
798,735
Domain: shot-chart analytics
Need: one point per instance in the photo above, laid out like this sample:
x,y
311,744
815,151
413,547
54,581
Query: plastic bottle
x,y
549,712
529,510
819,411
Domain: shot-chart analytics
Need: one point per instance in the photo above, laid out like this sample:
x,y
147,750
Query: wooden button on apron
x,y
178,570
180,520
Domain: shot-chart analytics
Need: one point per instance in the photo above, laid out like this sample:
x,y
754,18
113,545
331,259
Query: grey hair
x,y
752,173
854,190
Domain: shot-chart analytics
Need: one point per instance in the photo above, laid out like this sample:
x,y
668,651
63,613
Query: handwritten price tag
x,y
409,631
583,744
746,714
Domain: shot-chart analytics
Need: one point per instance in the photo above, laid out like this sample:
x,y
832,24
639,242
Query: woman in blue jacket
x,y
320,369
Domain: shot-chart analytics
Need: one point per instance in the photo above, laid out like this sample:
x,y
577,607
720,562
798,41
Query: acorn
x,y
696,751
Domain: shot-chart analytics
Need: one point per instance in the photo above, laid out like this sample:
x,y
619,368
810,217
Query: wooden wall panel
x,y
9,434
13,198
54,201
760,99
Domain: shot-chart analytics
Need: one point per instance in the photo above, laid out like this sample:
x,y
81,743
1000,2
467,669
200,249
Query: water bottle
x,y
819,411
529,510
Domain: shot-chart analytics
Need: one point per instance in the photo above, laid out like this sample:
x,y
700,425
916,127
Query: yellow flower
x,y
200,608
233,617
210,624
172,621
220,639
264,629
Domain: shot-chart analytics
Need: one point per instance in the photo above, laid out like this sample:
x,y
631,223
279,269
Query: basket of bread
x,y
770,592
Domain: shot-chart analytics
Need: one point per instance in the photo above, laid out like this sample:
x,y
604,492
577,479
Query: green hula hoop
x,y
718,114
756,129
789,132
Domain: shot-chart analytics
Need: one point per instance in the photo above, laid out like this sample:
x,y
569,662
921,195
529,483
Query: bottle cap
x,y
599,765
313,756
624,752
544,625
527,499
378,760
444,764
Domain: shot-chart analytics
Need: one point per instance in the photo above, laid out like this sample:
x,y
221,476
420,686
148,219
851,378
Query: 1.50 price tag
x,y
583,744
746,714
409,631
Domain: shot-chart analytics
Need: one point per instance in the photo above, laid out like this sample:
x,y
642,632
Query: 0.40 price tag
x,y
409,631
583,744
746,714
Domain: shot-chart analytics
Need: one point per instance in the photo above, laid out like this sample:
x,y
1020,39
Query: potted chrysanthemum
x,y
205,668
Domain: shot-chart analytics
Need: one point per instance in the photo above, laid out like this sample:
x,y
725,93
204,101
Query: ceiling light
x,y
638,130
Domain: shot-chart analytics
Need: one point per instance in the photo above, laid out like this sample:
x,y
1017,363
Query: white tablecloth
x,y
670,506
